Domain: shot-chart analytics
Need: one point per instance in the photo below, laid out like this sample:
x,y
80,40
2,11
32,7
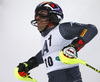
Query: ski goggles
x,y
42,13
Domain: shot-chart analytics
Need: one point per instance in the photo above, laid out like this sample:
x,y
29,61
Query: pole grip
x,y
25,78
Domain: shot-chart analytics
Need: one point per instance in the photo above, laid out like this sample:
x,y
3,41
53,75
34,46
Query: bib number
x,y
48,62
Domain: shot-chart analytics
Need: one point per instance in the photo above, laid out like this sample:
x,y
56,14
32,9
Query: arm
x,y
39,58
30,64
35,61
84,32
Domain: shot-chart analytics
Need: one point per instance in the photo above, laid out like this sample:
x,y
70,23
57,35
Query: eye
x,y
43,12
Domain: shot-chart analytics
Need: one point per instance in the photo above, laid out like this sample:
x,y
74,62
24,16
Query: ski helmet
x,y
55,12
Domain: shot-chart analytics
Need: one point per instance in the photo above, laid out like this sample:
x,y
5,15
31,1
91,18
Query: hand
x,y
67,60
27,66
69,52
68,55
25,77
23,69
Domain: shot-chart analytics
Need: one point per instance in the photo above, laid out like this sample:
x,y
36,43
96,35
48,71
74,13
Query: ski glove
x,y
69,51
68,55
23,69
27,66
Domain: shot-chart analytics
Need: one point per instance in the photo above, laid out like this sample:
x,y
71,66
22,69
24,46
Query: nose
x,y
38,17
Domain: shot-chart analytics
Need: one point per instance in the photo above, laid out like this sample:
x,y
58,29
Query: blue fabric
x,y
66,75
70,30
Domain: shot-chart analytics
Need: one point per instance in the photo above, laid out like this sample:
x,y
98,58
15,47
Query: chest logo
x,y
57,58
46,46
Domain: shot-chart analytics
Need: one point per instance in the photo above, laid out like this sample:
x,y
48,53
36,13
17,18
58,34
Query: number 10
x,y
48,62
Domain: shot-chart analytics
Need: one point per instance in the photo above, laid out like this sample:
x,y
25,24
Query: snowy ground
x,y
19,40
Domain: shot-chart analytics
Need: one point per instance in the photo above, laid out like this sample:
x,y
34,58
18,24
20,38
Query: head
x,y
47,15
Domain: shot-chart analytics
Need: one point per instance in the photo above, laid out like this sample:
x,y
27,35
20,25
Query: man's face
x,y
42,19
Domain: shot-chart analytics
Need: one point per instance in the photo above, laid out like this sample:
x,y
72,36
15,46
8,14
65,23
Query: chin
x,y
40,29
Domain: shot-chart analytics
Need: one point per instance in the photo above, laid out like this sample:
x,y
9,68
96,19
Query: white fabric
x,y
51,52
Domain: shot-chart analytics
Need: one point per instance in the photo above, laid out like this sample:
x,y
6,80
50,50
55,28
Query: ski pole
x,y
84,63
25,78
68,60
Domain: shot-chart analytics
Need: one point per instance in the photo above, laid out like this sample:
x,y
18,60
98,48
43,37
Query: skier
x,y
68,37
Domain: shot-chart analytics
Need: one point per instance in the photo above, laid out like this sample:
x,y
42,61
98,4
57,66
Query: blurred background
x,y
19,40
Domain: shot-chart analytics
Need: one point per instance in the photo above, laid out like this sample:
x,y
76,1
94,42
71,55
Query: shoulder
x,y
65,29
68,27
70,30
66,24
